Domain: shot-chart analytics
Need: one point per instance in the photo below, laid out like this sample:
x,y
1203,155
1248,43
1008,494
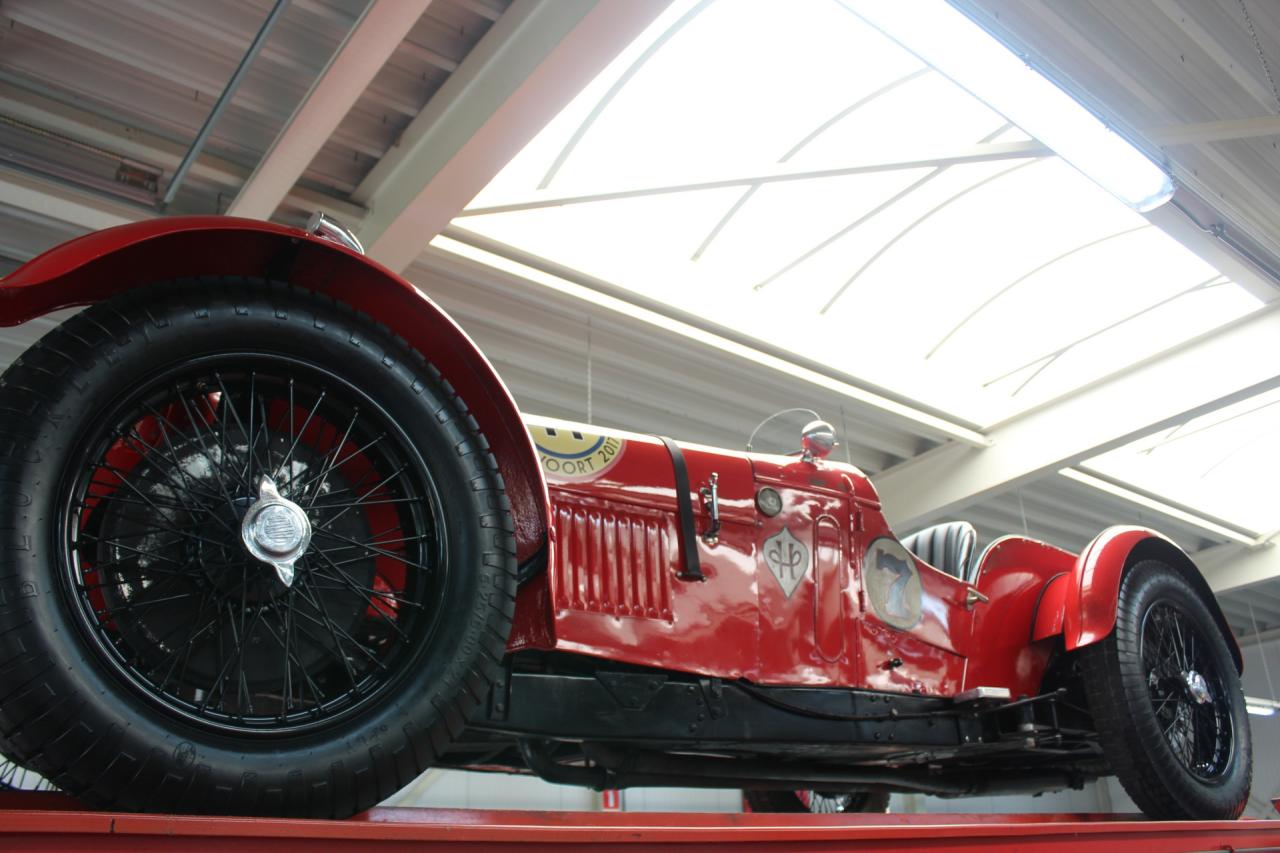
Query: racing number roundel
x,y
893,584
570,454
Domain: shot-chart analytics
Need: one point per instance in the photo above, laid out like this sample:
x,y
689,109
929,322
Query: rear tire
x,y
815,802
148,661
1167,702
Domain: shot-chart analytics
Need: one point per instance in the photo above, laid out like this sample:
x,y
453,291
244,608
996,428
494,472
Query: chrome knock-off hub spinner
x,y
276,530
1197,687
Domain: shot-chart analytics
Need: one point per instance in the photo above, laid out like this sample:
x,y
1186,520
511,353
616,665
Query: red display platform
x,y
49,822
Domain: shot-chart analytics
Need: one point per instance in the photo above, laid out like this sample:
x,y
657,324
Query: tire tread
x,y
69,755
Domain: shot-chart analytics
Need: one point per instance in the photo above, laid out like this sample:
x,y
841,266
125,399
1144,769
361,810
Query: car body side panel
x,y
615,587
931,652
804,577
99,265
1051,612
1017,575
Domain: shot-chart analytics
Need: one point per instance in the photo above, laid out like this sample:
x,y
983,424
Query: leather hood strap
x,y
692,570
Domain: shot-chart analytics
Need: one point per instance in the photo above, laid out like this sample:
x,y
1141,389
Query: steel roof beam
x,y
1214,131
149,146
536,58
1162,391
1230,567
375,36
64,204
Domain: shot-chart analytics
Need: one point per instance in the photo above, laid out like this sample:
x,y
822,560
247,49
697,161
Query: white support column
x,y
537,57
1207,373
366,49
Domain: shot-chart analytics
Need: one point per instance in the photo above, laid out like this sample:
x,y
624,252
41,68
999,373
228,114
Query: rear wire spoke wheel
x,y
1167,701
275,564
819,802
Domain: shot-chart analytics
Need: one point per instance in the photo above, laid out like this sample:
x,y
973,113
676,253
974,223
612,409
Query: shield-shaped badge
x,y
787,559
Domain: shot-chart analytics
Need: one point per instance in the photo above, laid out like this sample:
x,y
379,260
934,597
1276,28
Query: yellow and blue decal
x,y
568,453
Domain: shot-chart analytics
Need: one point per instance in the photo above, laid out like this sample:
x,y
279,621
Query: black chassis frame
x,y
577,720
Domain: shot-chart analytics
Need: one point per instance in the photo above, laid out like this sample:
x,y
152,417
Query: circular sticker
x,y
570,454
893,583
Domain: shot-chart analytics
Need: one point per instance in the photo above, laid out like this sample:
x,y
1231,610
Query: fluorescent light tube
x,y
1260,710
974,60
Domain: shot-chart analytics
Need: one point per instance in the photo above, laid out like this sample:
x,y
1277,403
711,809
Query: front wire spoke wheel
x,y
263,558
201,580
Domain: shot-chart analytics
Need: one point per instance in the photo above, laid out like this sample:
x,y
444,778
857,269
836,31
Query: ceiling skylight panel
x,y
708,99
1216,463
1074,294
979,288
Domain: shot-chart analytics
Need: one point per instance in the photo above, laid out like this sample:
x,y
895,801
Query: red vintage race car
x,y
276,540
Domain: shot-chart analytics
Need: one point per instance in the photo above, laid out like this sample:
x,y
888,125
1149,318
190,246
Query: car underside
x,y
633,726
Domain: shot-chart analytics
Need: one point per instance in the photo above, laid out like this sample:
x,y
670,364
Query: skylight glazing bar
x,y
1020,279
615,90
800,146
985,153
933,211
1050,358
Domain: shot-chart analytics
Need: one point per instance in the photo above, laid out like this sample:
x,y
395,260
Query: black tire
x,y
1179,744
352,677
818,802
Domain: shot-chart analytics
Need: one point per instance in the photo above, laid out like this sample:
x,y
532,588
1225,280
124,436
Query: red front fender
x,y
1093,587
98,265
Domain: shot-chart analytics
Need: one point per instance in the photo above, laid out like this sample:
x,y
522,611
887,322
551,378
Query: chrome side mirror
x,y
817,440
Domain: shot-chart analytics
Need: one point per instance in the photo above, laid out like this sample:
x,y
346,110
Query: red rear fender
x,y
99,265
1093,587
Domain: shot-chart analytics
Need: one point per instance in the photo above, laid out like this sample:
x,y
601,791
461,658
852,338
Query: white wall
x,y
462,790
456,789
1091,799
